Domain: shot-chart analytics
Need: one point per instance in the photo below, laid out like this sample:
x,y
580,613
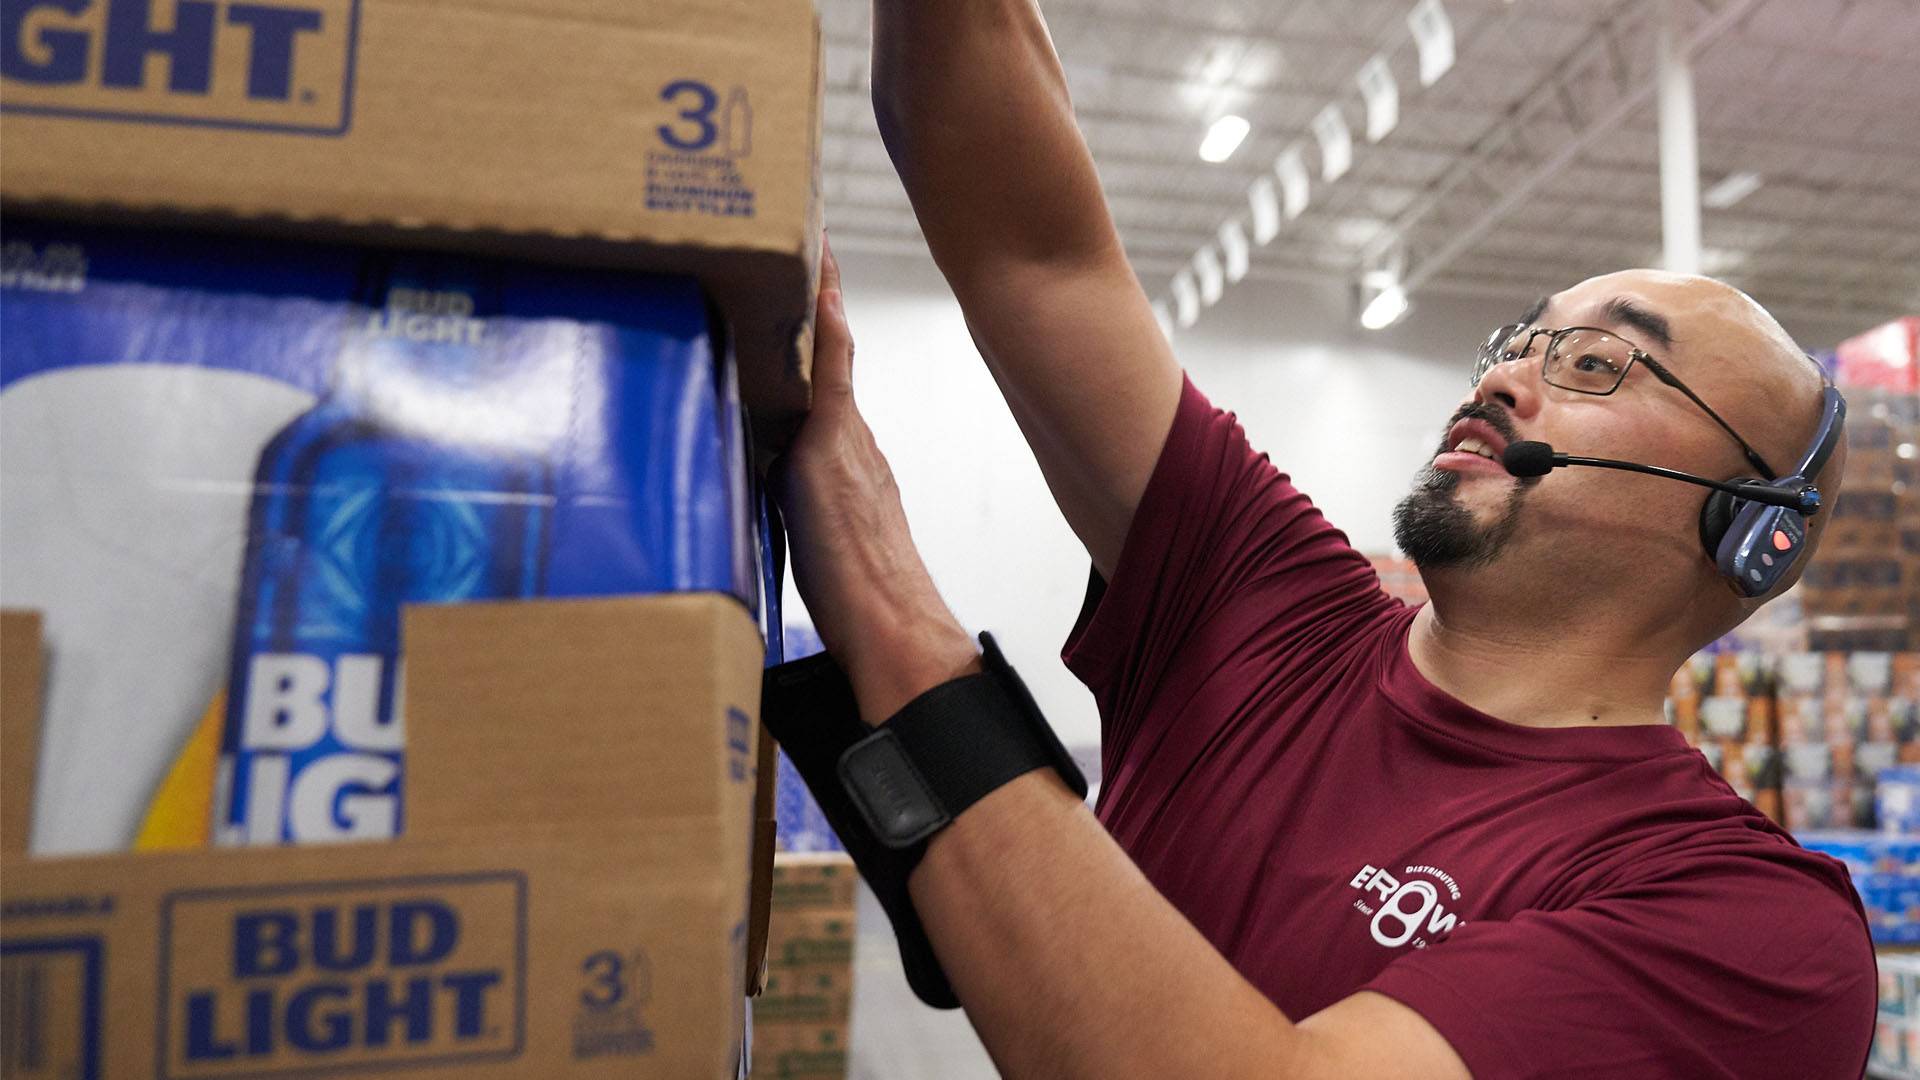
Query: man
x,y
1341,837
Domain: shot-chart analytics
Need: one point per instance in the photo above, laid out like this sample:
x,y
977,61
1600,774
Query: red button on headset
x,y
1781,540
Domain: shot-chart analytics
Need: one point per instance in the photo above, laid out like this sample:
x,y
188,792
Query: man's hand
x,y
853,557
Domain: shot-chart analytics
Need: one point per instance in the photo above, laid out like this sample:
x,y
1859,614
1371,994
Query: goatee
x,y
1431,526
1435,531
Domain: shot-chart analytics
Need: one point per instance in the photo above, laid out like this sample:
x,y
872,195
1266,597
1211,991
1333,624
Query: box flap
x,y
760,883
584,711
22,666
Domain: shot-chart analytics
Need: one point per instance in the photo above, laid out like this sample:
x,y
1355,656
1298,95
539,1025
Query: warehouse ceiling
x,y
1530,164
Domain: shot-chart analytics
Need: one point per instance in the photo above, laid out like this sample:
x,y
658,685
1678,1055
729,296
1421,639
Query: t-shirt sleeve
x,y
1223,555
1719,967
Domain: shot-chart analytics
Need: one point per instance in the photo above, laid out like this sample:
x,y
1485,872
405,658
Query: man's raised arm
x,y
973,107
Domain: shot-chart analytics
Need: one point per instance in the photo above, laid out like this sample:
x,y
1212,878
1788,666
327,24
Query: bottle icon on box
x,y
738,119
406,483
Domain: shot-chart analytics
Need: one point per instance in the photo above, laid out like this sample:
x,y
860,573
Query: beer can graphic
x,y
422,476
230,463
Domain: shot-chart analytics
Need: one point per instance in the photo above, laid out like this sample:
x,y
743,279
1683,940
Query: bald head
x,y
1721,342
1729,351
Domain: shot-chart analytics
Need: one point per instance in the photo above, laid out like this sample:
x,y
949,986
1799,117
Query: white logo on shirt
x,y
1409,910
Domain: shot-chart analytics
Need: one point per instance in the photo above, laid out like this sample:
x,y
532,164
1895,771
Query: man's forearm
x,y
1068,961
973,107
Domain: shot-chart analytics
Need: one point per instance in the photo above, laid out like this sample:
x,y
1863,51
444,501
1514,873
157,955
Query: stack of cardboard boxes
x,y
1857,591
569,894
800,1021
1862,590
545,915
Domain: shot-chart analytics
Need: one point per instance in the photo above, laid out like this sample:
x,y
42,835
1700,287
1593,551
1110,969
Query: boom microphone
x,y
1527,459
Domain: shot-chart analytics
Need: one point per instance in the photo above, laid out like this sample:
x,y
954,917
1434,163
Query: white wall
x,y
1352,414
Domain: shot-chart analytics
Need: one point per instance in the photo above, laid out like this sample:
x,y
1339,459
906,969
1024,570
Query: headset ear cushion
x,y
1716,517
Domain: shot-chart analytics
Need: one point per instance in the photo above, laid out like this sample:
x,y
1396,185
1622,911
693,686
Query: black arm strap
x,y
887,790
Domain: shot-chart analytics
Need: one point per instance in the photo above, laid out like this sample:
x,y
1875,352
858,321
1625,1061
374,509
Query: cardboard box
x,y
648,707
813,881
799,1051
22,668
765,836
800,1022
814,993
570,901
670,135
807,937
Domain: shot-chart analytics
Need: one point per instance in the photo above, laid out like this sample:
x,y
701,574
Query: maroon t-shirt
x,y
1557,902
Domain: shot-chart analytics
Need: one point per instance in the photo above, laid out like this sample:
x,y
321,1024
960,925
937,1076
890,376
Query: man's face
x,y
1466,511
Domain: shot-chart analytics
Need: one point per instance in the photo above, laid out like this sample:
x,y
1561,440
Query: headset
x,y
1754,530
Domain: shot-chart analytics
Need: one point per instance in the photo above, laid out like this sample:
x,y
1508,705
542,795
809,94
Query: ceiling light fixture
x,y
1264,200
1336,143
1210,275
1433,38
1186,299
1223,138
1734,188
1233,245
1382,95
1387,307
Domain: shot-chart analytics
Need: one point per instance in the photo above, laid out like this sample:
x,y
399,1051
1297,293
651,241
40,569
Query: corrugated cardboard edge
x,y
22,669
760,885
775,373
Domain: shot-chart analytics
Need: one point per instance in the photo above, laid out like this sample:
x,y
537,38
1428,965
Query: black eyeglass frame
x,y
1492,353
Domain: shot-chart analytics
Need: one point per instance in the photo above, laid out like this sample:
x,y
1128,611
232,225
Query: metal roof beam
x,y
1611,99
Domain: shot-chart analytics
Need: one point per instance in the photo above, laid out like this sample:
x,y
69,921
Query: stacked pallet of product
x,y
800,1019
1896,1032
1723,704
1863,590
332,353
1803,736
1886,870
1844,718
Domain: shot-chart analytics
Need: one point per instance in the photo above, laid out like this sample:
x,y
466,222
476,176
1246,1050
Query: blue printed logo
x,y
697,165
287,980
739,746
275,65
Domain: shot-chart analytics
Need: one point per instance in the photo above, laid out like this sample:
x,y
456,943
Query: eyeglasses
x,y
1589,360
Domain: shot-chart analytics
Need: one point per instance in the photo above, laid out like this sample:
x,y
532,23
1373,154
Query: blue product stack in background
x,y
1885,867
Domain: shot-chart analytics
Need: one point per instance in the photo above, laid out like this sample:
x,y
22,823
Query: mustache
x,y
1493,416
